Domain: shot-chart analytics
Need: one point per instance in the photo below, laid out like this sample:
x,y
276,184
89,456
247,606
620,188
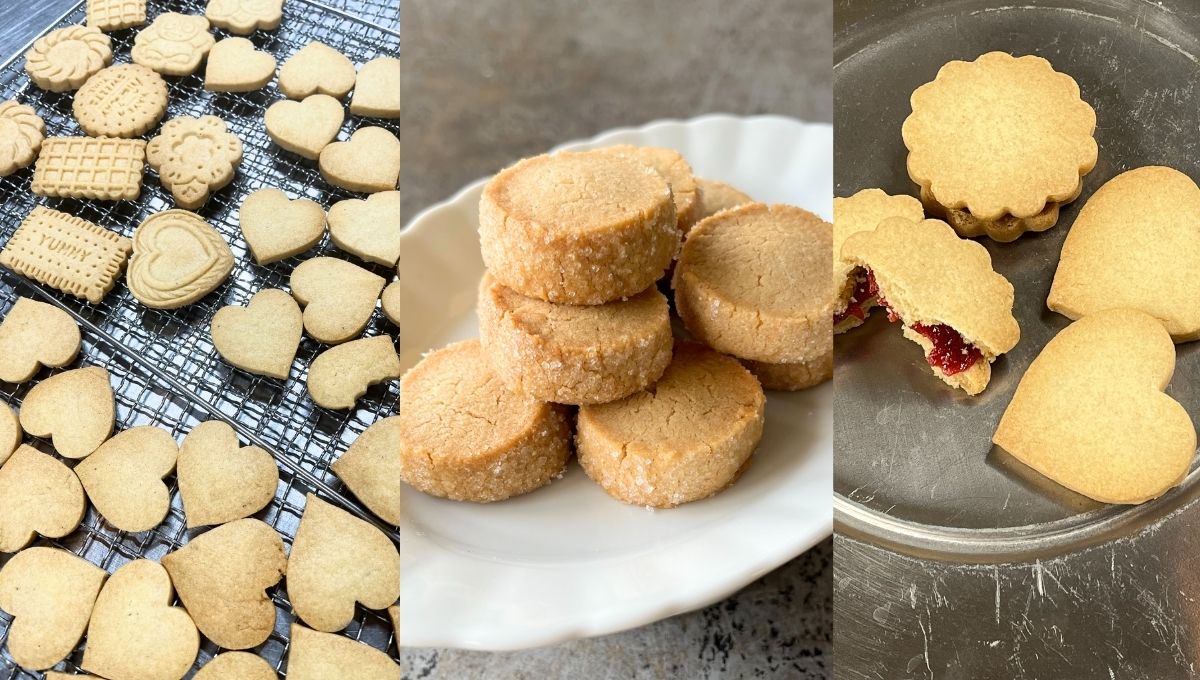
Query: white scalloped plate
x,y
567,561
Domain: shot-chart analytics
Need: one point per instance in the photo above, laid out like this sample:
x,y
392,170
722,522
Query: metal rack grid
x,y
165,368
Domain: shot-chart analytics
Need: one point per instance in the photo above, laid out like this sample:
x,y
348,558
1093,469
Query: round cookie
x,y
579,227
21,135
716,196
686,439
125,100
675,169
574,354
64,59
465,436
791,377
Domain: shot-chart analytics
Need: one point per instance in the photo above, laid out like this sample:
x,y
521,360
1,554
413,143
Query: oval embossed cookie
x,y
178,258
121,101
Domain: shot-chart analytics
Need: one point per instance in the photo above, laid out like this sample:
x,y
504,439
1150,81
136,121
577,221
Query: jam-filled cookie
x,y
861,212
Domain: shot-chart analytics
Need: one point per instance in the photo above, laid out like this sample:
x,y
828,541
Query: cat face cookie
x,y
21,134
50,593
194,157
173,44
35,334
861,212
64,59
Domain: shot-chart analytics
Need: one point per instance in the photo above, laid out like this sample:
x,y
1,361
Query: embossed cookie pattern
x,y
67,253
21,134
121,101
174,44
194,157
113,15
178,258
103,169
63,59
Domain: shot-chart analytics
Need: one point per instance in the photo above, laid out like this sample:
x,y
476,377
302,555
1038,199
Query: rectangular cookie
x,y
100,168
113,15
67,253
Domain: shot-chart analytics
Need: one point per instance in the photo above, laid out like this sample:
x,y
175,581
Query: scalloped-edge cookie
x,y
1003,166
64,59
38,495
944,291
194,157
125,100
50,593
244,17
861,212
173,44
35,334
21,135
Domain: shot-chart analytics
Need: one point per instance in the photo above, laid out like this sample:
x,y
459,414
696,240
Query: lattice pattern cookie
x,y
67,253
99,168
113,15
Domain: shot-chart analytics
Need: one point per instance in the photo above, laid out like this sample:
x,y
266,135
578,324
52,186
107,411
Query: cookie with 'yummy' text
x,y
67,253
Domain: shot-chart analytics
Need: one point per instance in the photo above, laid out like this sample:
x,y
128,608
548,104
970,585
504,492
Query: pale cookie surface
x,y
341,375
861,212
716,196
1135,244
65,58
305,127
75,409
113,15
21,134
50,593
675,169
102,169
235,66
578,227
338,298
222,577
371,468
465,436
32,335
754,282
316,69
173,44
10,431
178,258
574,354
368,162
262,337
377,90
194,157
244,17
220,481
322,656
391,302
687,438
124,478
135,633
791,377
368,229
67,253
1090,412
125,100
236,666
277,227
38,495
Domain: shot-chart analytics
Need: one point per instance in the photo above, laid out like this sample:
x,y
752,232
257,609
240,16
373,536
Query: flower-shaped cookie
x,y
243,17
194,157
21,133
62,60
174,45
998,144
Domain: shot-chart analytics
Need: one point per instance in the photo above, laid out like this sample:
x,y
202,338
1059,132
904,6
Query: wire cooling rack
x,y
165,370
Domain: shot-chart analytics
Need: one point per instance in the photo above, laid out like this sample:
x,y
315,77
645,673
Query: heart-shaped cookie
x,y
305,127
219,481
321,656
368,229
377,89
10,431
341,375
50,594
277,227
237,666
338,298
1135,244
261,337
76,409
38,495
178,258
235,66
222,577
135,633
35,334
391,302
124,478
244,16
368,162
317,68
371,466
1090,412
337,560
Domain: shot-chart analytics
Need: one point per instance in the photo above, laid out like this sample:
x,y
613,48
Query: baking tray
x,y
165,369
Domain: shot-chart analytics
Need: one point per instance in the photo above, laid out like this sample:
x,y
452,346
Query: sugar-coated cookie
x,y
368,229
262,337
341,375
368,162
338,298
313,655
67,168
125,100
65,58
221,481
194,157
371,466
675,169
75,409
178,258
317,68
235,66
173,44
377,89
791,377
49,593
244,17
861,212
38,495
277,227
716,196
305,127
32,335
124,478
114,15
21,135
236,666
10,431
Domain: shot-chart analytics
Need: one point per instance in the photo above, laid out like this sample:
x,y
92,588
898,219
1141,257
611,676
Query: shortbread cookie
x,y
578,227
1135,244
371,466
716,196
262,337
178,258
1007,170
368,162
316,69
686,438
222,577
220,481
102,169
235,66
754,282
244,17
173,44
114,15
391,302
368,229
791,377
323,656
75,409
337,560
125,100
49,593
574,354
305,127
38,495
10,431
944,291
194,157
35,334
377,89
236,666
861,212
341,375
124,478
675,169
276,227
338,298
467,437
21,134
1136,444
65,58
134,632
67,253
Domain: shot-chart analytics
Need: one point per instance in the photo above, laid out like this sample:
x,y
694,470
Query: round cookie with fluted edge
x,y
688,437
791,377
21,135
125,100
578,227
465,436
675,169
574,354
65,58
716,196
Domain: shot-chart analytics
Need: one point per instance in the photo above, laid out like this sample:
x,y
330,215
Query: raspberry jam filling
x,y
857,306
951,352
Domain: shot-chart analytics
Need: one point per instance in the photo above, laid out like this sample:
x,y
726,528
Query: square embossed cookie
x,y
99,168
67,253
